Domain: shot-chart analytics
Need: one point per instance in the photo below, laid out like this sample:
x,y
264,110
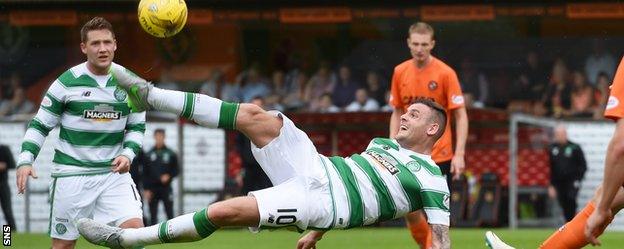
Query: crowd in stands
x,y
551,87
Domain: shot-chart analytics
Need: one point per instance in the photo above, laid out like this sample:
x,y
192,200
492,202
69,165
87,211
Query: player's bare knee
x,y
220,213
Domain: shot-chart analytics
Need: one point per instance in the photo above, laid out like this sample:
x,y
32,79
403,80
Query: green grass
x,y
395,238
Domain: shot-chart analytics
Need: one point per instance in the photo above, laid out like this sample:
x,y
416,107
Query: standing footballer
x,y
424,76
99,136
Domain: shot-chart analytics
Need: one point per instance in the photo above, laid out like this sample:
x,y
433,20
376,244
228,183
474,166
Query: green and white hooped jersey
x,y
386,182
96,125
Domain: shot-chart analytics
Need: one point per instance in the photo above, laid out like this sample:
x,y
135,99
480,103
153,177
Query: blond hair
x,y
421,28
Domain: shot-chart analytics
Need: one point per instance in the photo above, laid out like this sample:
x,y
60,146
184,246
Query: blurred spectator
x,y
601,94
17,105
323,81
7,162
474,84
251,177
252,84
161,166
212,87
326,105
362,102
582,96
376,89
556,99
599,61
296,97
344,90
166,80
532,79
387,107
278,84
567,169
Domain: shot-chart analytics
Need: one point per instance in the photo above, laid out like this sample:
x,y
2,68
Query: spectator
x,y
344,90
212,87
567,169
252,176
326,105
362,102
387,107
17,105
601,94
323,81
474,84
278,84
296,97
161,166
599,61
532,79
166,80
556,99
253,84
376,89
582,96
6,163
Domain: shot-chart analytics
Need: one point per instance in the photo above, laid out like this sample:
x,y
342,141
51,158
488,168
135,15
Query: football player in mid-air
x,y
388,180
590,222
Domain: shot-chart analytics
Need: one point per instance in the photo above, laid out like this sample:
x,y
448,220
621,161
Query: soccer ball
x,y
162,18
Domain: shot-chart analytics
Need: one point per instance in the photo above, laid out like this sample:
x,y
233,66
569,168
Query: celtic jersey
x,y
96,124
385,182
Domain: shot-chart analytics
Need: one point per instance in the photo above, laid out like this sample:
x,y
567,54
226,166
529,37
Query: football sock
x,y
185,228
203,109
572,234
420,231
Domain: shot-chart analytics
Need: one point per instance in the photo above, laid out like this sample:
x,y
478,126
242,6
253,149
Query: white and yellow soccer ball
x,y
162,18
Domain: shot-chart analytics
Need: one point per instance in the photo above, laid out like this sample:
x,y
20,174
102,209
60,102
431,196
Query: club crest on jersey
x,y
413,166
102,112
120,95
386,161
433,85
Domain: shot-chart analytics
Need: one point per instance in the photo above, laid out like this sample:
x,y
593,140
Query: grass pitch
x,y
394,238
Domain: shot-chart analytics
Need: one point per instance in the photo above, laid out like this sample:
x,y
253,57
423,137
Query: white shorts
x,y
108,198
301,196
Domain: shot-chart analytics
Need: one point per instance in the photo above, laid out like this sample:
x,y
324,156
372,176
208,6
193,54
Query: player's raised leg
x,y
260,126
572,234
237,212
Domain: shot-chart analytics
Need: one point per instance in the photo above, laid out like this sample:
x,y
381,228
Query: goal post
x,y
515,120
592,136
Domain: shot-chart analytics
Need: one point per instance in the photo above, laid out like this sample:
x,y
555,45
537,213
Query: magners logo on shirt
x,y
102,112
386,161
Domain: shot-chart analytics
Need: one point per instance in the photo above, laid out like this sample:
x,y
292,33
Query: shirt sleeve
x,y
615,109
454,95
395,90
135,131
436,206
48,116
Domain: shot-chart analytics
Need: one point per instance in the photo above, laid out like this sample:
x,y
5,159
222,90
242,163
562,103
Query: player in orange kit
x,y
590,222
424,76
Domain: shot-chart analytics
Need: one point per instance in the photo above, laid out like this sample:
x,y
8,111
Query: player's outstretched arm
x,y
613,179
440,236
309,240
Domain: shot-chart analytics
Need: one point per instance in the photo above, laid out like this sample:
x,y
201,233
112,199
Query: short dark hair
x,y
97,23
159,130
439,114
